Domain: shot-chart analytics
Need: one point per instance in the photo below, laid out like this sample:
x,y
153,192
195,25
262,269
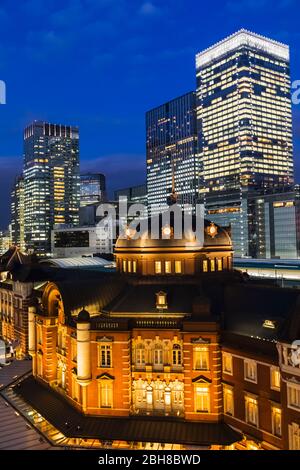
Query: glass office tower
x,y
244,126
51,182
172,152
92,188
17,213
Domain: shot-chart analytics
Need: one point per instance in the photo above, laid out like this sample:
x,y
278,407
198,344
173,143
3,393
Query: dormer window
x,y
161,300
269,324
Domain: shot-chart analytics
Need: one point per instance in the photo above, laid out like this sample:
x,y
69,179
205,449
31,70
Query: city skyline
x,y
105,110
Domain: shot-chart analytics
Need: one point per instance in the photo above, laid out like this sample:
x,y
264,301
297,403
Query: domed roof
x,y
83,316
214,235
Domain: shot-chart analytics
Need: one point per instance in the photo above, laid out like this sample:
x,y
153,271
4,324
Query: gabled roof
x,y
12,258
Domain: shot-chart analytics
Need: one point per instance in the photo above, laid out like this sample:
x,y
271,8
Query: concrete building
x,y
82,241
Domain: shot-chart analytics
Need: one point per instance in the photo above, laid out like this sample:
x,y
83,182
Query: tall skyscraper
x,y
244,126
92,188
172,152
17,213
51,182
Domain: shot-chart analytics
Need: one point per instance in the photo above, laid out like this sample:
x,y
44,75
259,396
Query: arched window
x,y
176,355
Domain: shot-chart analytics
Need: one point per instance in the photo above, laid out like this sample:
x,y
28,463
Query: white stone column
x,y
32,337
84,370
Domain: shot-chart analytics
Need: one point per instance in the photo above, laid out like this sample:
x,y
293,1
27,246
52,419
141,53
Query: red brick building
x,y
175,348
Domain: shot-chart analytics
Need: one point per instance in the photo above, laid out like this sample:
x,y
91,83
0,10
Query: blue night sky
x,y
100,64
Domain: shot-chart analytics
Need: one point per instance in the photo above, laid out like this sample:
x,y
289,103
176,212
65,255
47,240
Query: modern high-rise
x,y
17,213
51,182
244,126
274,225
171,148
136,194
92,188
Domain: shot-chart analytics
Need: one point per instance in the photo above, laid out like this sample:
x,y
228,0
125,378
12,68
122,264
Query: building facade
x,y
171,151
92,188
82,241
134,194
5,241
174,339
244,126
51,182
274,225
17,213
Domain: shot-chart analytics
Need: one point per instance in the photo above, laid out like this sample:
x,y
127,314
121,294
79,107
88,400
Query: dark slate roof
x,y
142,298
143,429
248,305
42,272
92,293
13,257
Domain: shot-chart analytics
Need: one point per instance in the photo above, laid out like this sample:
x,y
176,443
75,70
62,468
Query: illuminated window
x,y
104,355
212,265
168,268
275,378
205,266
161,300
250,370
201,360
176,355
129,266
105,393
140,355
228,400
39,365
124,266
75,388
158,355
73,349
219,264
178,267
251,408
157,267
39,334
294,436
276,421
202,398
134,266
293,394
227,363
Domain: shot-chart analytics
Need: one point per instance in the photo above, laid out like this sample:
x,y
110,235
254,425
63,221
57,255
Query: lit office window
x,y
201,359
228,400
178,267
168,268
105,391
134,266
251,408
276,421
202,399
157,267
250,370
227,363
275,378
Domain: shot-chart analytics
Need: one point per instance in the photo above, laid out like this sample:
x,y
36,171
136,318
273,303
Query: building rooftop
x,y
83,262
240,38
